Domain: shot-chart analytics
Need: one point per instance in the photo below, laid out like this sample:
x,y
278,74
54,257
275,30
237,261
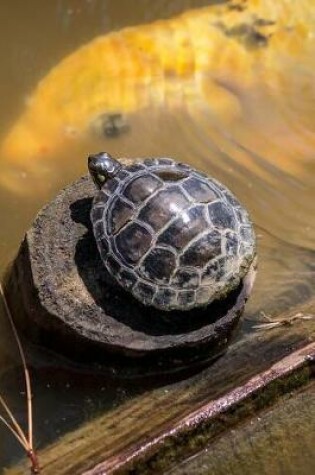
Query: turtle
x,y
173,237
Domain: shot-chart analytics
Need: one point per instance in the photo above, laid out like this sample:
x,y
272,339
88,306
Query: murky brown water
x,y
258,139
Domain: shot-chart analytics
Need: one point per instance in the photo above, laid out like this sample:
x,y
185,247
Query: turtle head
x,y
102,167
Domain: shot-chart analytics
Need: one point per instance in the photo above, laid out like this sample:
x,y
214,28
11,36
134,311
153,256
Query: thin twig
x,y
6,423
27,443
14,421
287,321
26,372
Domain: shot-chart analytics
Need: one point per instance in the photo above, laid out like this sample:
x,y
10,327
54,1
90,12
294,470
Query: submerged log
x,y
63,297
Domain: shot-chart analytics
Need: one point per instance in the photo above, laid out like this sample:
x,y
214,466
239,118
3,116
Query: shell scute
x,y
186,277
159,265
136,167
97,213
231,244
199,190
221,215
215,270
186,227
230,198
110,186
163,206
246,233
141,187
112,264
186,298
120,212
133,242
99,230
127,278
165,298
100,200
202,295
144,292
104,246
201,251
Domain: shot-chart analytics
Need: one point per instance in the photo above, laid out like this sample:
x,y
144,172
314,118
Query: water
x,y
254,133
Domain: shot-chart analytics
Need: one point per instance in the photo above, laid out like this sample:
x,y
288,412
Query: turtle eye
x,y
100,178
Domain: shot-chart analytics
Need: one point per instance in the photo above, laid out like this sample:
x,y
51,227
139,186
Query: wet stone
x,y
132,242
163,206
202,250
159,265
142,187
186,278
221,216
187,226
199,190
119,214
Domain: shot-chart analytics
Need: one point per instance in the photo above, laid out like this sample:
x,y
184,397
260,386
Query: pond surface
x,y
241,108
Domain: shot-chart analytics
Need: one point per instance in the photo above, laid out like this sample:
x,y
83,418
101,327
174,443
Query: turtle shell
x,y
172,236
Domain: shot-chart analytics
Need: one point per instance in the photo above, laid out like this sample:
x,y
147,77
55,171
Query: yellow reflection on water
x,y
229,88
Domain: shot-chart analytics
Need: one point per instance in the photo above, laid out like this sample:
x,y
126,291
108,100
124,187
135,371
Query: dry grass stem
x,y
17,429
14,427
269,323
16,435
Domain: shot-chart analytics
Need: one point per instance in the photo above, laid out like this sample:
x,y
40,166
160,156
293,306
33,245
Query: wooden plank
x,y
279,440
131,432
197,422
